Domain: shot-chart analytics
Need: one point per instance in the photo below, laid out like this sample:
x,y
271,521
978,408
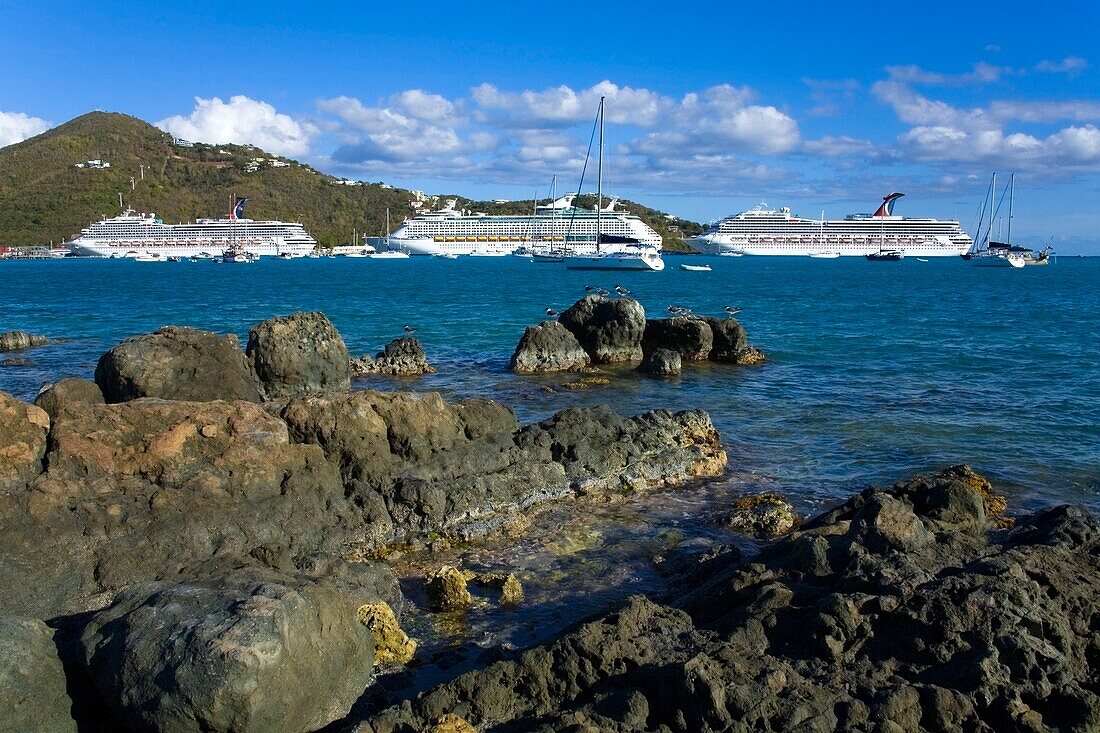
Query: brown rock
x,y
23,430
391,644
447,589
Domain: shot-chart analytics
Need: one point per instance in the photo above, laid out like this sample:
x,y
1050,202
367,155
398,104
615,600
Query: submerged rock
x,y
33,694
749,356
176,363
54,397
661,363
240,651
447,589
548,347
23,430
402,357
761,515
15,340
511,590
608,330
299,353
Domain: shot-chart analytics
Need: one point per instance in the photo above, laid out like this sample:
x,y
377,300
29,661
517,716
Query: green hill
x,y
45,197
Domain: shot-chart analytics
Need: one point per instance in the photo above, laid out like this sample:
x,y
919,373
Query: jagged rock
x,y
23,430
749,356
729,338
33,694
53,397
15,340
821,632
661,363
447,590
176,363
299,353
511,590
247,650
548,347
608,330
761,515
451,723
690,337
402,357
135,489
391,644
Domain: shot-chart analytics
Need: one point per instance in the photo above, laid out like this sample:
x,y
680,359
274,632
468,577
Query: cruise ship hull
x,y
94,248
430,246
724,244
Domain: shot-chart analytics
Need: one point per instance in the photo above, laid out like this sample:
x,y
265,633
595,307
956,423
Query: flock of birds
x,y
622,292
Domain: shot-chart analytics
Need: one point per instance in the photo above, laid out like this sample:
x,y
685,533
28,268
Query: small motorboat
x,y
389,254
695,268
885,255
732,253
446,255
824,255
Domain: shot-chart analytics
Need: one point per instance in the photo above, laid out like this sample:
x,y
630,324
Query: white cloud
x,y
980,73
16,127
841,146
1069,65
244,121
525,135
557,105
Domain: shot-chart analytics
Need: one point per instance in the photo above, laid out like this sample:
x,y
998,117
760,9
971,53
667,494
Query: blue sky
x,y
711,107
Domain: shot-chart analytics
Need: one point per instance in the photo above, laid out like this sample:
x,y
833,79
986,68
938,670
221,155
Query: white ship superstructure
x,y
765,231
133,234
556,227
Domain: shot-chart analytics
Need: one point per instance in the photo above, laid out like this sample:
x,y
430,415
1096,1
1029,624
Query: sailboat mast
x,y
1011,192
599,180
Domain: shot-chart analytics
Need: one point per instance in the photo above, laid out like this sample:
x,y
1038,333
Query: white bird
x,y
603,293
409,330
623,292
551,312
733,310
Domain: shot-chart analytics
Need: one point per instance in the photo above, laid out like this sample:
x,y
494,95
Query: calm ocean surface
x,y
877,371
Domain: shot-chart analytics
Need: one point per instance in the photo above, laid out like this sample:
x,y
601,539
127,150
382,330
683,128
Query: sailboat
x,y
387,253
997,254
627,253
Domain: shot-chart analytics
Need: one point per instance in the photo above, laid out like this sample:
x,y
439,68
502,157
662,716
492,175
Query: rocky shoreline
x,y
189,537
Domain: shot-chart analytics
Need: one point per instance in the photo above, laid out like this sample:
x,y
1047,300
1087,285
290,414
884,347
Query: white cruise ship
x,y
764,231
556,227
132,235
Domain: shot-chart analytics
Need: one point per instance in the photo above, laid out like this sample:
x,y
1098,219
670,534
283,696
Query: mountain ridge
x,y
46,197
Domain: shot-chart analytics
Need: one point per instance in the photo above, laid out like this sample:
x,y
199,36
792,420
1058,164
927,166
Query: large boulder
x,y
15,340
661,363
415,464
608,330
53,397
548,347
730,339
23,430
299,353
177,363
244,650
402,357
33,693
690,337
136,489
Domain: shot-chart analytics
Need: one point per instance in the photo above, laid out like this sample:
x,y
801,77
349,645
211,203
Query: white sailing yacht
x,y
387,253
998,254
621,253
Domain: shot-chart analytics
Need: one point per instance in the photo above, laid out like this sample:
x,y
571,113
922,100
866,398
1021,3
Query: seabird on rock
x,y
733,310
603,293
409,330
678,311
623,292
551,312
590,288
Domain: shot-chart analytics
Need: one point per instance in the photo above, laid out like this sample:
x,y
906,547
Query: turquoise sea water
x,y
876,371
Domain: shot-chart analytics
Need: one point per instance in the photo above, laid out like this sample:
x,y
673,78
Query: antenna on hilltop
x,y
120,199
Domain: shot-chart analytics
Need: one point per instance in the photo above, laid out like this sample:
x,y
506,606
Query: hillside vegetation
x,y
45,198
